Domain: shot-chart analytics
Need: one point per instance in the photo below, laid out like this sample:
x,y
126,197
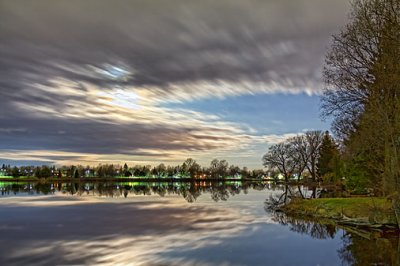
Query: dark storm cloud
x,y
165,41
151,45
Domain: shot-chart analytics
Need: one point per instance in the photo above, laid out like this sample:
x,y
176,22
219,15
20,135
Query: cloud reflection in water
x,y
101,231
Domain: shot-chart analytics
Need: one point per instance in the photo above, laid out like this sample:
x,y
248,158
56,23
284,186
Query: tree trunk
x,y
396,208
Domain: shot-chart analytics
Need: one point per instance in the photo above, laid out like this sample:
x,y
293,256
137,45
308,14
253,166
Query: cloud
x,y
93,77
149,43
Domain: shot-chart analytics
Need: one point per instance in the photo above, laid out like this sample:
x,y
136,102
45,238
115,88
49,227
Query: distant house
x,y
280,176
3,172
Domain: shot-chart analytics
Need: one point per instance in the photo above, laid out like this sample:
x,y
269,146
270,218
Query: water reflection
x,y
306,226
100,231
359,247
153,224
190,191
277,200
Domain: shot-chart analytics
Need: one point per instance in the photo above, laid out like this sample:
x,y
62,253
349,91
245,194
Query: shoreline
x,y
360,212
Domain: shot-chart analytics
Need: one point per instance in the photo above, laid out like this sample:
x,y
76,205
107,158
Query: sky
x,y
159,81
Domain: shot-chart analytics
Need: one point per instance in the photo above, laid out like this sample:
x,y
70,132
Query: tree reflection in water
x,y
375,249
359,246
275,201
307,226
190,191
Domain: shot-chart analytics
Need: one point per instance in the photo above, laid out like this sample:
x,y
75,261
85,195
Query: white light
x,y
113,72
122,98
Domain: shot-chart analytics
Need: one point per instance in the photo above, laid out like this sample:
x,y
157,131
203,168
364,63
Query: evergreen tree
x,y
328,157
37,172
76,174
126,170
15,172
45,171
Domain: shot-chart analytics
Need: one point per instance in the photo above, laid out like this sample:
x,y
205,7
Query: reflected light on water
x,y
172,224
148,229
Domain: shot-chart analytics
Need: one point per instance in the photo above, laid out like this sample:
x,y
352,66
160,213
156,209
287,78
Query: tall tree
x,y
15,172
191,167
313,141
126,171
328,158
300,154
363,89
219,169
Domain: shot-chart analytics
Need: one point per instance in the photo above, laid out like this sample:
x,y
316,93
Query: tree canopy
x,y
362,77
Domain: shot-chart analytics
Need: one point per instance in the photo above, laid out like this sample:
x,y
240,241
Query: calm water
x,y
171,224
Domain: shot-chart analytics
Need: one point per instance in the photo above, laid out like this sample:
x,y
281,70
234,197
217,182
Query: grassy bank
x,y
361,211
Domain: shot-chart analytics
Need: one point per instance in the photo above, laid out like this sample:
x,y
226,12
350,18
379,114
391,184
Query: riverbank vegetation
x,y
362,76
360,211
362,94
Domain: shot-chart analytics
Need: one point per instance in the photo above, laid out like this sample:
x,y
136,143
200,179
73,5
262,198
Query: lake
x,y
196,223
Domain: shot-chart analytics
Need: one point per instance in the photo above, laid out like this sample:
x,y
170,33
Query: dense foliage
x,y
362,93
362,74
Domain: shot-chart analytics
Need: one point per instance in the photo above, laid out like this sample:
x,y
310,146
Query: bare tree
x,y
281,157
313,143
352,56
295,155
300,154
306,152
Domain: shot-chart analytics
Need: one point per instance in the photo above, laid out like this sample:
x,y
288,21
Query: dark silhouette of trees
x,y
188,169
300,154
76,174
42,172
234,171
218,169
15,172
329,159
126,172
293,156
369,249
313,141
363,92
45,171
306,226
281,157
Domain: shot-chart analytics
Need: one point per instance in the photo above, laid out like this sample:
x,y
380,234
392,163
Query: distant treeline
x,y
189,169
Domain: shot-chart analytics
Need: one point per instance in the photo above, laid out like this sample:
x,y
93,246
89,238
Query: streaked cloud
x,y
94,79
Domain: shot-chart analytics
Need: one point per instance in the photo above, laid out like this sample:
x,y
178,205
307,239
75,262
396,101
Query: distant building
x,y
3,172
